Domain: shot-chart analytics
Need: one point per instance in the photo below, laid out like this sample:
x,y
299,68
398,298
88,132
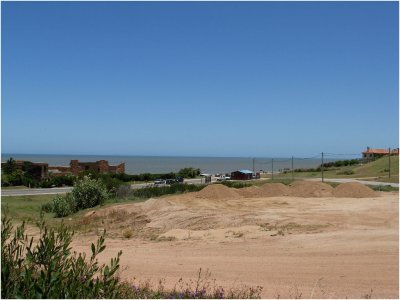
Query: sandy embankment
x,y
307,239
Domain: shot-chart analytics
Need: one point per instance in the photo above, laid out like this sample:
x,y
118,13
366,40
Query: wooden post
x,y
322,166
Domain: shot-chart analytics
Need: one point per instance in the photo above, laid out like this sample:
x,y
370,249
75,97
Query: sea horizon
x,y
136,164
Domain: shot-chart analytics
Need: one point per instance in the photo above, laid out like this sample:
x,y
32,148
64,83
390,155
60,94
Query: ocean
x,y
165,164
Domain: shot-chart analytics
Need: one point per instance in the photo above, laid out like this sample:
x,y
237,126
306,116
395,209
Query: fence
x,y
313,166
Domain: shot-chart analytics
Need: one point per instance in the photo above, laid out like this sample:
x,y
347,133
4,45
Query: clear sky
x,y
199,79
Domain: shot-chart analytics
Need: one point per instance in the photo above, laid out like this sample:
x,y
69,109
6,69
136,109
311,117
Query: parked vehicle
x,y
223,178
159,181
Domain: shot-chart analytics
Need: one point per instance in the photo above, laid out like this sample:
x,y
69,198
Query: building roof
x,y
376,151
246,171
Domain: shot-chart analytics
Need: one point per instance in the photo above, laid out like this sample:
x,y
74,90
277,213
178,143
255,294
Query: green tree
x,y
10,166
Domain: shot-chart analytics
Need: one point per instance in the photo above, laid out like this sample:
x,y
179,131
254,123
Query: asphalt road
x,y
63,190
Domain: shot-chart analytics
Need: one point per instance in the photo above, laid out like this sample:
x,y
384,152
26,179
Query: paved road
x,y
27,192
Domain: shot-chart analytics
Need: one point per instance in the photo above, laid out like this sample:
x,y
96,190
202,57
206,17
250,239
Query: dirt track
x,y
320,247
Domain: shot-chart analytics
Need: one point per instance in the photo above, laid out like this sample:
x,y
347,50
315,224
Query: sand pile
x,y
155,204
250,192
310,189
275,190
353,190
217,192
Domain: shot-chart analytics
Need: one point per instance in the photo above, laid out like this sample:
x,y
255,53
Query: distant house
x,y
376,153
242,175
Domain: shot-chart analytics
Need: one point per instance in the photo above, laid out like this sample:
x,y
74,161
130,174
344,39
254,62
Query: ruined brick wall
x,y
117,168
102,166
120,168
74,167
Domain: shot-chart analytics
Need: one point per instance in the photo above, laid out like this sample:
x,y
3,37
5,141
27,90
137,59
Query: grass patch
x,y
25,208
376,170
384,188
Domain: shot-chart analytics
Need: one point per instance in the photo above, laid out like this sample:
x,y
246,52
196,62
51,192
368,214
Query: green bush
x,y
149,192
235,184
347,172
89,192
48,269
189,172
111,184
63,206
47,207
58,181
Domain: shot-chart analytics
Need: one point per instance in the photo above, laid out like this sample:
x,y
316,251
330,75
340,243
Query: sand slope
x,y
328,247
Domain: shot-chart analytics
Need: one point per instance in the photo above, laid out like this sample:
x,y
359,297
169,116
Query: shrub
x,y
235,184
64,205
124,191
67,180
347,172
89,192
48,207
111,184
149,192
189,172
48,269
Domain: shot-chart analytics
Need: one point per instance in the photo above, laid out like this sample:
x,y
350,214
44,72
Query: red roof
x,y
377,151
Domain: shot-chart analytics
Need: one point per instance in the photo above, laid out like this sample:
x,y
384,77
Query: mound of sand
x,y
250,192
310,189
275,190
155,204
217,192
353,190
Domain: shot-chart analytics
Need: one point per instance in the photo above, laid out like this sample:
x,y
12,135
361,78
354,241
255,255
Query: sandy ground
x,y
320,247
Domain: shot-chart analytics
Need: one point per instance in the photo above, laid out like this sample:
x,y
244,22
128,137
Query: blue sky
x,y
199,79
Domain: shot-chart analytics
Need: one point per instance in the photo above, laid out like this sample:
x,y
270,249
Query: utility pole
x,y
253,165
272,169
292,169
389,162
322,166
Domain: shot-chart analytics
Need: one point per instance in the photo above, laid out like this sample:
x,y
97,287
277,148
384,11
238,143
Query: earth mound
x,y
353,190
217,192
310,189
275,190
250,192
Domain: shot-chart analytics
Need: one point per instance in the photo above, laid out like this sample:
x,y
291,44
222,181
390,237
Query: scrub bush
x,y
48,268
89,192
64,205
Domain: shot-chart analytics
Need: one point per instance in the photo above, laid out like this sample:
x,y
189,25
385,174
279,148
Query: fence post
x,y
292,169
389,162
272,169
322,166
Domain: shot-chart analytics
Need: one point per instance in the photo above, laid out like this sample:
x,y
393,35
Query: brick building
x,y
75,167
